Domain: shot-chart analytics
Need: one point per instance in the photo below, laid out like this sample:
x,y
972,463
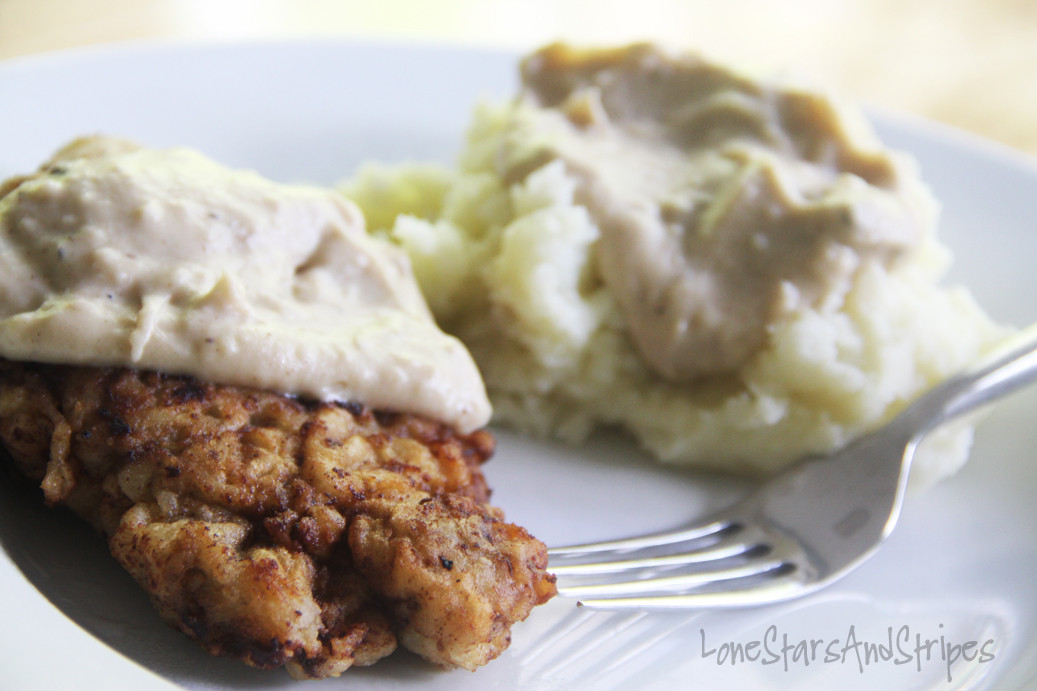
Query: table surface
x,y
968,63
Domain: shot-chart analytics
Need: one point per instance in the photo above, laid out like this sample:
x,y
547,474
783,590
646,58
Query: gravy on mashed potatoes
x,y
118,255
722,203
735,270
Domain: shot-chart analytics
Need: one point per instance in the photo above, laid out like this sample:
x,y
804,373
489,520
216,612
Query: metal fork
x,y
800,531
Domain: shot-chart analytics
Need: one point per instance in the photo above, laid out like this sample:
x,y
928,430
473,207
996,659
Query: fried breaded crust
x,y
314,536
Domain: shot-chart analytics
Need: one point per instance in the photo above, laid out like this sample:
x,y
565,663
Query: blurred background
x,y
971,64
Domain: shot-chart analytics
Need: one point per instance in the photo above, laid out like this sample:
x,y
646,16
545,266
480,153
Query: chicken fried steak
x,y
311,535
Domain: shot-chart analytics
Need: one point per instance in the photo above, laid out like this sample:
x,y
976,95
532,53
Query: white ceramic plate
x,y
953,588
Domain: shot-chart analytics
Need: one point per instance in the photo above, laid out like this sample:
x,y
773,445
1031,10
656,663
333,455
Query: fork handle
x,y
1010,366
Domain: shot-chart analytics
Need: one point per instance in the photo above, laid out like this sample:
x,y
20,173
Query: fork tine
x,y
682,581
733,541
786,583
696,532
749,563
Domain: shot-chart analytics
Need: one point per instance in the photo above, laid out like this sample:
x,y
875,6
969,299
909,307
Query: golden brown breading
x,y
314,536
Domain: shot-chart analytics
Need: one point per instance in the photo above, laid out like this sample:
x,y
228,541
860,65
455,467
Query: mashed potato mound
x,y
508,265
